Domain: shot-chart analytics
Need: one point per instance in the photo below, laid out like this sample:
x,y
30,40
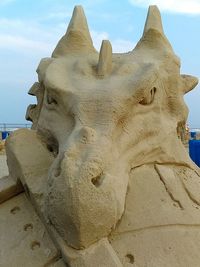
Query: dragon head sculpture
x,y
100,115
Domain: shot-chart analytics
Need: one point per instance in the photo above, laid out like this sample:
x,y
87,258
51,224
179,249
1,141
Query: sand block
x,y
24,241
9,188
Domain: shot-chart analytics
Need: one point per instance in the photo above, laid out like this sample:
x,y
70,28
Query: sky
x,y
30,30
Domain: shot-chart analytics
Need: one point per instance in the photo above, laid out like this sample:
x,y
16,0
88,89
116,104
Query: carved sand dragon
x,y
103,161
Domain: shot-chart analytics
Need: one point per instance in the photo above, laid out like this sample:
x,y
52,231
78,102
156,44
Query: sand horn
x,y
77,38
153,20
188,83
153,35
105,59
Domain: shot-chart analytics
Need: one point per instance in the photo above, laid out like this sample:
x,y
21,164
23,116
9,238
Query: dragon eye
x,y
51,100
148,99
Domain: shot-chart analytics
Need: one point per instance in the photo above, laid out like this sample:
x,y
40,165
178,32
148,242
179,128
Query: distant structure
x,y
7,128
103,164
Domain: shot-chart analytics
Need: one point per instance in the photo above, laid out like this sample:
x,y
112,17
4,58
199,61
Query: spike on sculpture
x,y
153,20
105,59
107,172
77,38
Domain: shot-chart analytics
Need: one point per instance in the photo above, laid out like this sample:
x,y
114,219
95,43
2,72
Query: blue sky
x,y
29,31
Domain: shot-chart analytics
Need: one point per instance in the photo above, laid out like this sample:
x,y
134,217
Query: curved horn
x,y
188,82
77,38
105,59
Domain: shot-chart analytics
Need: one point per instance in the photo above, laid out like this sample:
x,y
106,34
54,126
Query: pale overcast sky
x,y
29,31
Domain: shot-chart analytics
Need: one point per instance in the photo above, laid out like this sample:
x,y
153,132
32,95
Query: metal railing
x,y
13,126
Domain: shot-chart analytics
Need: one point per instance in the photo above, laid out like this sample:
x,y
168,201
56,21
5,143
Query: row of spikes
x,y
77,40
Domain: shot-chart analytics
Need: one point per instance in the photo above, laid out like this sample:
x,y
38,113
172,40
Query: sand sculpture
x,y
103,165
